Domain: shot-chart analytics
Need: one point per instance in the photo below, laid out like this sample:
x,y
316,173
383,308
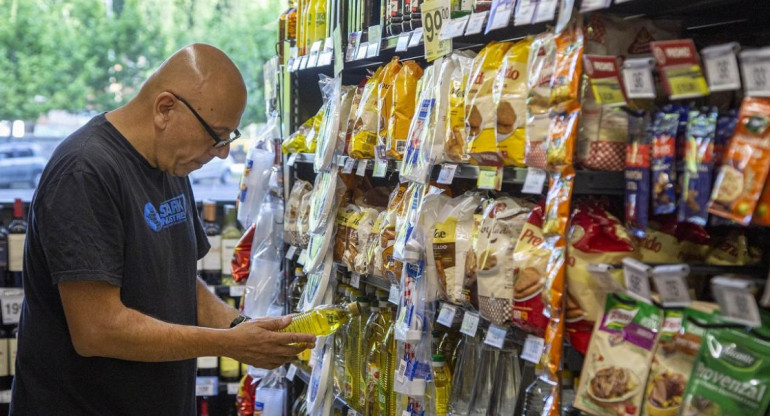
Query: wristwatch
x,y
239,320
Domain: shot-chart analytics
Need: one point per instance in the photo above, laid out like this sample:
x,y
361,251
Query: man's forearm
x,y
212,311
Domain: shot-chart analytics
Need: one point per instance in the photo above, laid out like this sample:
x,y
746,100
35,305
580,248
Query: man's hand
x,y
255,342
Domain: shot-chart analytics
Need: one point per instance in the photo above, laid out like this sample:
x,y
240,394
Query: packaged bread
x,y
637,175
451,243
385,101
480,111
530,259
455,132
415,167
471,258
303,218
366,262
327,192
344,215
501,226
391,268
402,108
510,91
359,228
347,133
336,113
745,166
291,214
364,133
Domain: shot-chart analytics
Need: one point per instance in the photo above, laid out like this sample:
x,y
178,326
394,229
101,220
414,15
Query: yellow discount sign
x,y
435,14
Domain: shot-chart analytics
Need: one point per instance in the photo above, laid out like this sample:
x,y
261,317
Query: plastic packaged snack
x,y
745,166
345,215
364,130
510,94
455,133
402,108
698,166
407,221
562,136
480,111
359,229
541,68
299,188
337,110
637,175
365,260
660,244
414,167
295,143
385,102
327,190
390,267
619,358
733,250
241,261
694,242
346,134
500,229
303,238
558,200
451,242
530,258
725,127
568,67
664,130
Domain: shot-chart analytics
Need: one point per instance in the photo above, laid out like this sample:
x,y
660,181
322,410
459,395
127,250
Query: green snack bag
x,y
731,376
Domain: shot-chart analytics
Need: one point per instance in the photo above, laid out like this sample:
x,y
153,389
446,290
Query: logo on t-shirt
x,y
169,213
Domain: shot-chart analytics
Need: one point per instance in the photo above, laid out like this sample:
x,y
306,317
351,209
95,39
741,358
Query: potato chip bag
x,y
402,108
455,133
480,111
451,244
733,250
660,244
694,243
745,166
510,92
364,133
530,258
385,100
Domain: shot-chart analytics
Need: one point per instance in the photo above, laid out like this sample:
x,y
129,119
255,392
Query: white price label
x,y
721,65
671,282
394,295
447,315
355,280
416,37
453,29
361,169
350,163
374,37
292,159
232,388
525,12
447,173
470,324
400,372
591,5
534,182
637,78
496,336
312,60
637,277
237,291
291,372
403,41
756,72
476,23
303,62
316,47
501,16
736,301
11,301
5,396
380,169
362,50
291,252
601,273
546,10
372,49
206,386
533,349
406,413
302,257
325,58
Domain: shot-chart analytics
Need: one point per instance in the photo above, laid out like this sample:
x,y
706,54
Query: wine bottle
x,y
207,366
231,234
212,263
17,234
3,250
5,361
12,349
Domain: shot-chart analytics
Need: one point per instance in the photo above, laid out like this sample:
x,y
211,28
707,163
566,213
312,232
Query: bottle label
x,y
12,355
228,368
228,249
16,252
4,370
213,259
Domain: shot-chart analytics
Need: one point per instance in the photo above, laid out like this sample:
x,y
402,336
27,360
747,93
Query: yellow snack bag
x,y
455,133
311,137
364,135
402,108
510,92
385,99
297,142
480,114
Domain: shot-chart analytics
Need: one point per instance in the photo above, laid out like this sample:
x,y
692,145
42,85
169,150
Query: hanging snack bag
x,y
734,250
530,259
619,357
418,129
725,127
455,134
540,69
500,229
297,141
365,260
391,268
364,133
344,216
510,92
335,119
385,101
470,291
694,243
744,171
568,67
664,131
359,229
299,188
480,114
637,175
731,376
347,133
402,108
698,166
562,135
327,191
660,244
451,242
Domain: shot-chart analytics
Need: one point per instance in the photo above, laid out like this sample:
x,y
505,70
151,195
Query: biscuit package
x,y
619,356
385,102
745,166
637,175
510,93
451,243
530,259
402,108
303,217
698,166
365,261
364,130
540,67
664,130
291,214
455,133
501,226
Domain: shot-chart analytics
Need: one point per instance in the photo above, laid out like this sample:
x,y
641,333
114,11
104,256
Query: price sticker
x,y
302,257
686,82
722,67
416,37
5,396
476,23
470,324
435,13
350,163
546,10
354,40
362,51
525,12
500,15
490,177
534,182
637,78
637,276
361,169
672,290
237,291
447,173
206,386
533,349
755,66
454,28
592,5
495,336
736,301
291,252
380,169
403,42
295,64
401,371
374,37
393,295
292,159
447,315
338,61
303,62
291,372
325,58
355,280
232,388
11,301
607,91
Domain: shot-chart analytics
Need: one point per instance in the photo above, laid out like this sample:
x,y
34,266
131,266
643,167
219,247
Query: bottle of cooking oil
x,y
387,396
374,334
442,382
339,349
356,355
323,320
320,25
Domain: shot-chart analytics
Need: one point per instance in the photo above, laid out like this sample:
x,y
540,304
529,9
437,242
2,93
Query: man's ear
x,y
164,104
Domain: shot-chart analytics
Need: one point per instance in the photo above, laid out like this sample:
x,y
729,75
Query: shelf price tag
x,y
534,182
295,64
362,51
637,275
755,66
416,37
232,388
291,372
361,169
314,51
533,349
350,163
671,282
338,59
303,62
454,28
354,40
592,5
355,280
546,10
736,301
302,257
495,336
637,78
393,294
500,15
602,71
374,37
722,67
447,173
11,301
380,169
490,177
680,68
476,23
435,13
292,159
206,386
5,396
470,324
525,12
325,58
401,371
403,42
447,315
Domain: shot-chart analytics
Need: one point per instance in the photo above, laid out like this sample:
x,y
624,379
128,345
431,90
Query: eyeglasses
x,y
218,141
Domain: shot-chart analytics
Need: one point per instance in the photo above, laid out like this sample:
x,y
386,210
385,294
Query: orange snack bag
x,y
385,99
562,136
557,206
565,81
402,108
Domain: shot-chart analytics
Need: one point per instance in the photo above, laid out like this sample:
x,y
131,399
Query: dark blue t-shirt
x,y
102,213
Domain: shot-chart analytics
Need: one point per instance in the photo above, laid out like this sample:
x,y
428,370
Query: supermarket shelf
x,y
304,375
376,281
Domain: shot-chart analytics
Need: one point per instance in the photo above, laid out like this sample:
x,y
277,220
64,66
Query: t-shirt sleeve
x,y
81,230
202,241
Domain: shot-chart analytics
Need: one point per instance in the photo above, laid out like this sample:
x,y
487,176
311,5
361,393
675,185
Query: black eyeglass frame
x,y
218,141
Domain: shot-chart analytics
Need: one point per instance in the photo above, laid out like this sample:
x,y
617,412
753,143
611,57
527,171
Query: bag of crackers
x,y
530,258
402,108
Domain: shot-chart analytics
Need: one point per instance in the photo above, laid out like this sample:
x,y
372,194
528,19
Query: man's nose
x,y
222,152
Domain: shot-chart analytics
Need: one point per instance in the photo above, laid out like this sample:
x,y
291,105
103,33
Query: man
x,y
114,317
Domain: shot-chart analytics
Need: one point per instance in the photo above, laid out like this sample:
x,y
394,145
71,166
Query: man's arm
x,y
212,311
100,325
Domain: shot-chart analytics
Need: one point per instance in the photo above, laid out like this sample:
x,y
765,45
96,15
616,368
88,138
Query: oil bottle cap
x,y
354,308
438,358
